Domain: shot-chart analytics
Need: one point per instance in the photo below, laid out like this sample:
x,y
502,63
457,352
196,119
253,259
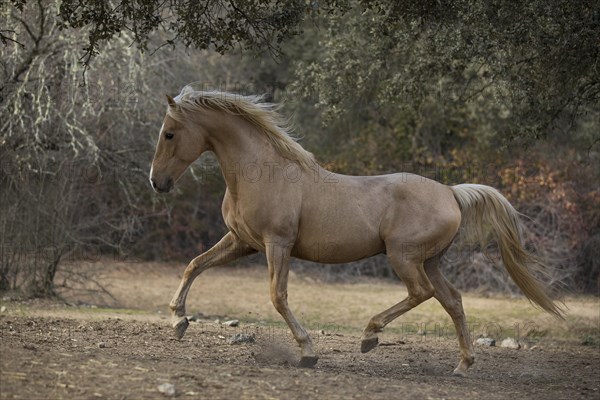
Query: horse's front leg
x,y
228,249
278,257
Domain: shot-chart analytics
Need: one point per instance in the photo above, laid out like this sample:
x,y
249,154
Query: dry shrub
x,y
69,173
560,204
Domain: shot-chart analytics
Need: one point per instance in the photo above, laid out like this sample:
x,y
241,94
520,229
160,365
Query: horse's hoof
x,y
459,372
180,327
308,361
369,344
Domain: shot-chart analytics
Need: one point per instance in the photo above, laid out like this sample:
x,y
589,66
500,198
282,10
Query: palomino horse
x,y
281,202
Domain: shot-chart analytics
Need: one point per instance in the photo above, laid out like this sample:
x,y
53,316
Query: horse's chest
x,y
243,226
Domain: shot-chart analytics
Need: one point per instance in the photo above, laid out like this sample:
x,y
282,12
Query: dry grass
x,y
243,293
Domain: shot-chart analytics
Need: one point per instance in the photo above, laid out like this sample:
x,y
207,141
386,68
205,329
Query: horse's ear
x,y
170,101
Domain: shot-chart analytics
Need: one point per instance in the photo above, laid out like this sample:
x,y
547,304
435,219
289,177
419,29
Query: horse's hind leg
x,y
419,289
227,249
451,300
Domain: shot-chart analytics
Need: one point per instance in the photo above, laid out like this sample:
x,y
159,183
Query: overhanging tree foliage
x,y
529,68
538,60
219,24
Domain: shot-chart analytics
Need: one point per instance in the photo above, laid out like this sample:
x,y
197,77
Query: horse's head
x,y
180,143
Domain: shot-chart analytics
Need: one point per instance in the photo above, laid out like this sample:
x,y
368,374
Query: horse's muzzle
x,y
162,187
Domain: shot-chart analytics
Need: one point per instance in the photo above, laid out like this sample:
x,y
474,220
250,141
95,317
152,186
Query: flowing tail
x,y
483,206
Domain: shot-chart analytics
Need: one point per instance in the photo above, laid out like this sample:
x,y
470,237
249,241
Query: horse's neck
x,y
242,151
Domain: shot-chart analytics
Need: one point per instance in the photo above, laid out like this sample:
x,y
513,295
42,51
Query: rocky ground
x,y
50,350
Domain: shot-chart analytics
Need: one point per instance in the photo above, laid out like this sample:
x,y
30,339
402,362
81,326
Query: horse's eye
x,y
169,136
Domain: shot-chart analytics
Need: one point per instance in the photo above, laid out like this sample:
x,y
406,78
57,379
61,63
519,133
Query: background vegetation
x,y
460,91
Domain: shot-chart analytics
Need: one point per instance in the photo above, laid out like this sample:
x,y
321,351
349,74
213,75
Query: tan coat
x,y
281,202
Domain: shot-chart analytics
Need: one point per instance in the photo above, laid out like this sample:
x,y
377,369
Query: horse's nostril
x,y
153,183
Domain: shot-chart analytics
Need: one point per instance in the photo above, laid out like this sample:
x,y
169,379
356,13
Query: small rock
x,y
484,341
29,347
510,343
103,345
2,309
233,322
168,389
196,317
241,338
526,375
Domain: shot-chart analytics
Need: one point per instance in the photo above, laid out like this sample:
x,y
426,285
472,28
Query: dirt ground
x,y
49,350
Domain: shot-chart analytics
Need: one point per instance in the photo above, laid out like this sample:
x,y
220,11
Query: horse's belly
x,y
340,230
337,251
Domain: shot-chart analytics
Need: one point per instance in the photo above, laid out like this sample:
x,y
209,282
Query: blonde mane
x,y
264,116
